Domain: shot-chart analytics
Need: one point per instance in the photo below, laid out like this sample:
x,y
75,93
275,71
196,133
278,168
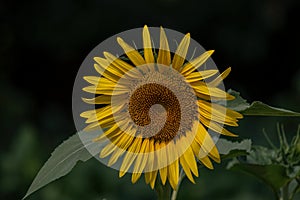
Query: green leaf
x,y
238,104
266,165
274,175
64,158
230,149
257,108
263,156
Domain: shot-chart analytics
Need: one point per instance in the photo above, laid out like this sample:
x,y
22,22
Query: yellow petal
x,y
105,90
124,144
102,99
153,178
203,138
92,79
106,112
220,78
164,56
161,155
148,177
108,149
196,63
121,65
188,163
148,54
107,133
195,147
173,168
163,172
114,157
142,157
100,115
89,113
113,60
186,169
106,73
216,108
173,174
212,92
106,82
216,127
130,156
103,65
111,136
181,52
207,163
106,122
93,126
151,157
132,54
190,159
197,76
135,177
218,113
214,154
140,162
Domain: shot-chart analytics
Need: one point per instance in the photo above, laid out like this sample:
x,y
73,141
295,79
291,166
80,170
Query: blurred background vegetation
x,y
43,43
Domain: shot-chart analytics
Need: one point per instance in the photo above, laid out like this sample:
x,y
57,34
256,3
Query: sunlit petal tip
x,y
217,160
234,135
109,57
220,78
121,174
230,97
210,52
106,54
148,54
192,180
96,58
85,77
84,100
135,177
88,89
120,41
206,161
239,115
181,52
84,114
152,185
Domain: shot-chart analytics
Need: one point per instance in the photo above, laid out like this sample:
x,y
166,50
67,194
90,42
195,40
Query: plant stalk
x,y
175,192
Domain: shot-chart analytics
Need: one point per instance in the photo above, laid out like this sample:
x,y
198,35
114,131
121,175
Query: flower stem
x,y
175,192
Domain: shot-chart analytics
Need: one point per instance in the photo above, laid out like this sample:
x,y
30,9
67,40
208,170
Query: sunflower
x,y
157,110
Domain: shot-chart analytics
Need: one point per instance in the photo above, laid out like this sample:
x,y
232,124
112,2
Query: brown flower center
x,y
145,97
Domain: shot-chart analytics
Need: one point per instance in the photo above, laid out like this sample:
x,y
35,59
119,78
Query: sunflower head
x,y
157,109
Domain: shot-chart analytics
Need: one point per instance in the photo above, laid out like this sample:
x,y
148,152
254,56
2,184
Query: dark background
x,y
43,43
